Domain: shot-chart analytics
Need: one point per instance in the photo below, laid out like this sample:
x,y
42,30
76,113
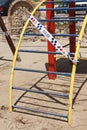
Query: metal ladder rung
x,y
64,8
60,20
36,51
40,111
41,71
65,1
66,17
64,35
45,52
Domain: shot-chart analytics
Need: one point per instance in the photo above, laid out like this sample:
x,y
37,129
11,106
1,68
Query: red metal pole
x,y
51,29
72,28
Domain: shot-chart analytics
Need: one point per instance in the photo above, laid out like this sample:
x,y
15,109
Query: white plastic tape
x,y
48,36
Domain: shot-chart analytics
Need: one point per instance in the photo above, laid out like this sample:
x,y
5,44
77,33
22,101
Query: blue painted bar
x,y
64,8
44,72
62,35
65,1
44,52
36,51
65,17
39,111
41,92
60,20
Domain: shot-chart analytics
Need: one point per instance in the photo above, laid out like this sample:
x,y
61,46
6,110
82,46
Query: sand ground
x,y
24,120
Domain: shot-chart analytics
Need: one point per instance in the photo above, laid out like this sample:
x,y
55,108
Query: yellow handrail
x,y
16,53
74,70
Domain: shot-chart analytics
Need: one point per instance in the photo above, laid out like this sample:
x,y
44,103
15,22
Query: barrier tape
x,y
49,37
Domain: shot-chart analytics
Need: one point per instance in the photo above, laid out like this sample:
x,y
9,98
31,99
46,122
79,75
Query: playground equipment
x,y
54,49
8,38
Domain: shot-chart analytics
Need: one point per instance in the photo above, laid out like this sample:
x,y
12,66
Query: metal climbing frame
x,y
50,20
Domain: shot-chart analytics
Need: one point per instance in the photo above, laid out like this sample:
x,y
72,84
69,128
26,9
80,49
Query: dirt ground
x,y
27,120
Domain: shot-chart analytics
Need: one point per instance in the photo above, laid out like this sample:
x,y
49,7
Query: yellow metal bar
x,y
74,70
16,54
80,58
60,56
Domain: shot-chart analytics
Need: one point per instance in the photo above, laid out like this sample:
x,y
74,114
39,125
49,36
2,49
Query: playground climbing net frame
x,y
58,47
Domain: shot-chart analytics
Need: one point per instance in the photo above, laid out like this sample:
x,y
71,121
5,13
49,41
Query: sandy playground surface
x,y
27,120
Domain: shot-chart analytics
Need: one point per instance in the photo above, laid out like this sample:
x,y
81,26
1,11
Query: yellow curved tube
x,y
16,53
74,70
